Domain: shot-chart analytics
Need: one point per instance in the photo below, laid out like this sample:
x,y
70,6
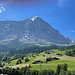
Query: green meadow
x,y
70,61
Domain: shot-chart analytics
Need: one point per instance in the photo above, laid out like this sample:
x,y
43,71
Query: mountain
x,y
33,29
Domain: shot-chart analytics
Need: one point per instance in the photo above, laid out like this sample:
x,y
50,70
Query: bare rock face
x,y
31,30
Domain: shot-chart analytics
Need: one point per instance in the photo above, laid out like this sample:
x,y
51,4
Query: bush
x,y
27,60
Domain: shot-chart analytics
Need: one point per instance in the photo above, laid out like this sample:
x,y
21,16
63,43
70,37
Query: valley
x,y
33,47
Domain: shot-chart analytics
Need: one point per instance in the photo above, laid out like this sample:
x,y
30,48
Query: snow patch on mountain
x,y
34,18
72,41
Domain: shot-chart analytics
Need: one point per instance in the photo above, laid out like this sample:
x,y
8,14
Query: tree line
x,y
62,69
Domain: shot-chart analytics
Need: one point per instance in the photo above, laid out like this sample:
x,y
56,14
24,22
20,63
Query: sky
x,y
60,14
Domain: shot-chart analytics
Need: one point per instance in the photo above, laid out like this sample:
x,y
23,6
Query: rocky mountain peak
x,y
34,18
31,29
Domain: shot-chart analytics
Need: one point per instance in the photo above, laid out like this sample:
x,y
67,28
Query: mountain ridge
x,y
31,30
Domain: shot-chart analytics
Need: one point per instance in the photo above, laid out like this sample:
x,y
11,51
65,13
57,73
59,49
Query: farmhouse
x,y
37,62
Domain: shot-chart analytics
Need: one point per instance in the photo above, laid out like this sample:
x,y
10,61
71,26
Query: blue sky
x,y
60,14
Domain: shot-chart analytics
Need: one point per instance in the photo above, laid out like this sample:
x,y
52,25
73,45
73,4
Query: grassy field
x,y
70,61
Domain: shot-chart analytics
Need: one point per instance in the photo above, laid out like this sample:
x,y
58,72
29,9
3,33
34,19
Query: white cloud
x,y
72,31
60,3
2,9
14,16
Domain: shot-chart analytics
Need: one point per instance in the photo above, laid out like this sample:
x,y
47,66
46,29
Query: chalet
x,y
55,58
37,62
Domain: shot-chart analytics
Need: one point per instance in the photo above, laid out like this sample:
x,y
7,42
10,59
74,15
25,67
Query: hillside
x,y
45,65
